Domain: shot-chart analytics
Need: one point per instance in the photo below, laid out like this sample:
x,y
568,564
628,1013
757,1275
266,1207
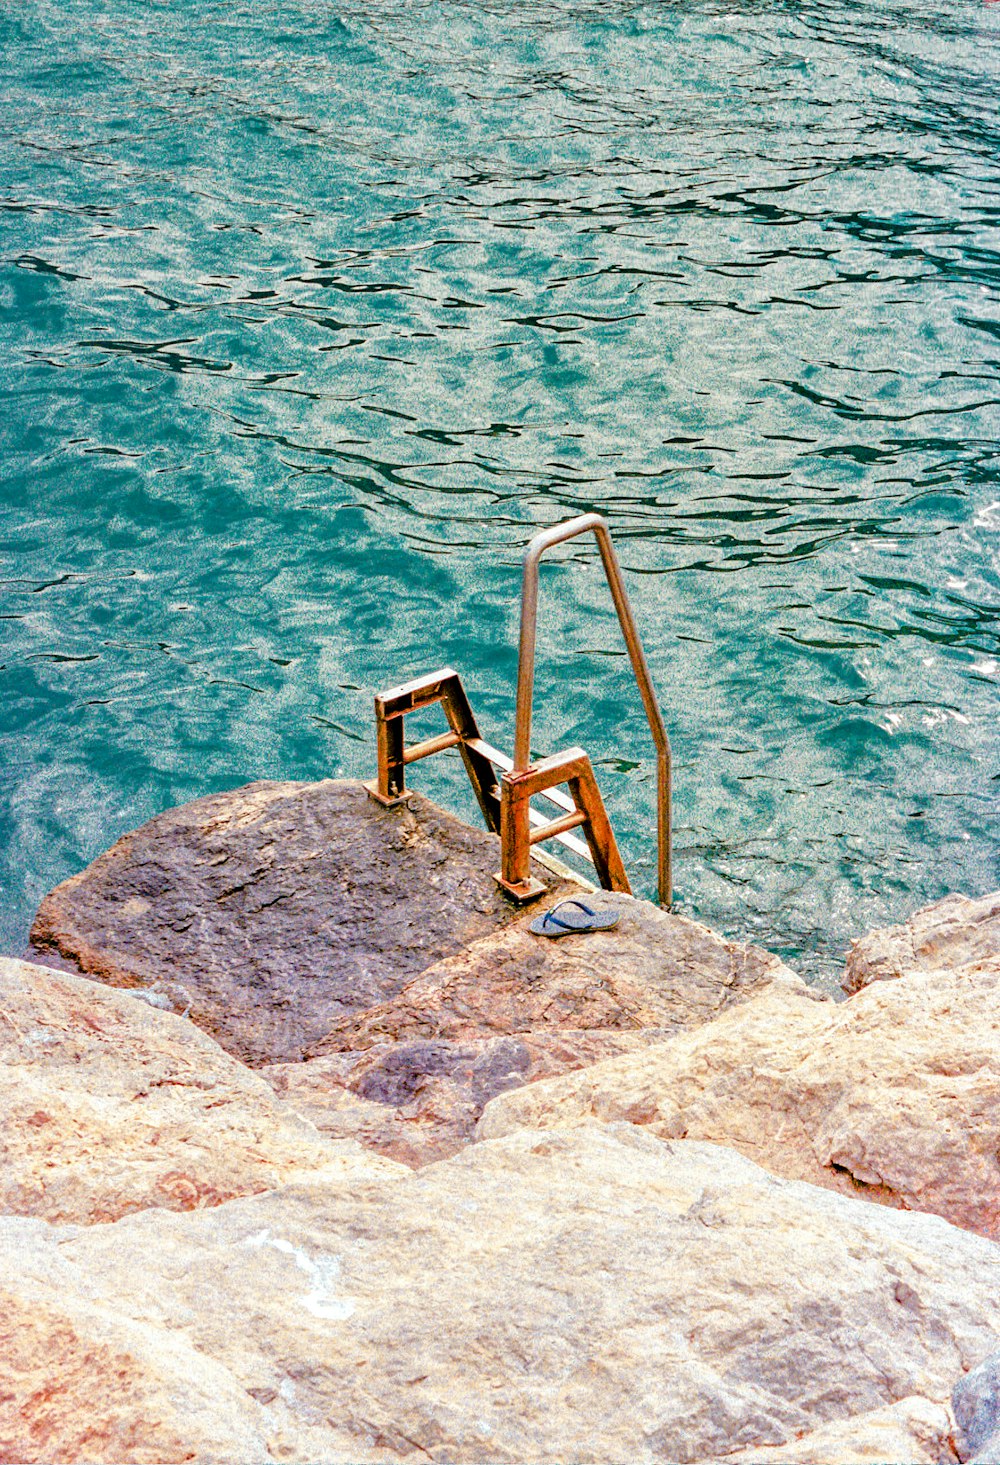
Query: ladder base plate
x,y
522,891
371,789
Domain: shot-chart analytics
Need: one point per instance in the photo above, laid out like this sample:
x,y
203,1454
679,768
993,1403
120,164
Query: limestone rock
x,y
418,1101
913,1432
588,1295
108,1105
278,907
954,932
84,1382
654,970
893,1095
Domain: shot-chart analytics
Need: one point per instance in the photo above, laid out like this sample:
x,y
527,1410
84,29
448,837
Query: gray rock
x,y
975,1403
280,907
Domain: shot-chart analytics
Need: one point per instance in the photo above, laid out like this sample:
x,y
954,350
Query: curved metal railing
x,y
526,672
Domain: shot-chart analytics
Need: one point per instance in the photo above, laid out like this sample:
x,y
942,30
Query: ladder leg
x,y
600,835
392,707
461,720
390,787
574,769
515,876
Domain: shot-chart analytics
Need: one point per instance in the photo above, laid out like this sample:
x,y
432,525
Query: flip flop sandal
x,y
582,918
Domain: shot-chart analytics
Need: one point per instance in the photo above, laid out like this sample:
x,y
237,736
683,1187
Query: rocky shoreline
x,y
312,1152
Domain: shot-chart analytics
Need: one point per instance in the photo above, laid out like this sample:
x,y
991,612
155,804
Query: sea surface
x,y
311,315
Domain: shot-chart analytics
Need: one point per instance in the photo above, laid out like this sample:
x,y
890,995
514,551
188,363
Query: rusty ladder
x,y
506,806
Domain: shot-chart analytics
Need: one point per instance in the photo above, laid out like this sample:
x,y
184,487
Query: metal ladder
x,y
506,806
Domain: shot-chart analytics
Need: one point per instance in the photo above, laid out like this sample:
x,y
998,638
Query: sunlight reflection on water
x,y
308,322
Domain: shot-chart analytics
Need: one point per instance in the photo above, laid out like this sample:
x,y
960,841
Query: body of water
x,y
311,316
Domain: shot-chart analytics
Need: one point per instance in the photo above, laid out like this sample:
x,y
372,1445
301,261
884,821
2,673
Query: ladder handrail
x,y
526,671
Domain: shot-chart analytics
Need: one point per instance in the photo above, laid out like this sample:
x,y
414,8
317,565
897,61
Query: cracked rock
x,y
548,1297
279,907
917,1431
892,1096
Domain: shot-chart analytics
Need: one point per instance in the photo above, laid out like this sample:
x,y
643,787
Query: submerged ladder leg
x,y
518,787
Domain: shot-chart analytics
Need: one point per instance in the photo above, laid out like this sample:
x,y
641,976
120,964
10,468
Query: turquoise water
x,y
310,316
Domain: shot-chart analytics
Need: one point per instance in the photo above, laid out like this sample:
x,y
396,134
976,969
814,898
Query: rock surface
x,y
280,916
271,910
954,932
654,970
109,1106
893,1095
511,1009
592,1281
975,1402
589,1295
418,1101
82,1382
913,1432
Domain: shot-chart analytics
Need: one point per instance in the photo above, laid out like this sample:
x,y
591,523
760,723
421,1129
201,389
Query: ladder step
x,y
557,826
432,745
493,754
569,840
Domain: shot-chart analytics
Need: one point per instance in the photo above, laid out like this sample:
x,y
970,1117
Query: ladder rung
x,y
569,840
493,754
554,796
557,826
432,745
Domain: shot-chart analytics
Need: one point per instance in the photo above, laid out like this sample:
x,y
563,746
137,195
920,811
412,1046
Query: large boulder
x,y
594,1294
953,932
268,912
893,1095
975,1402
511,1009
108,1105
653,970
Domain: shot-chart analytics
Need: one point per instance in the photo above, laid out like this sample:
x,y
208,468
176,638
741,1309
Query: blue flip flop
x,y
583,918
